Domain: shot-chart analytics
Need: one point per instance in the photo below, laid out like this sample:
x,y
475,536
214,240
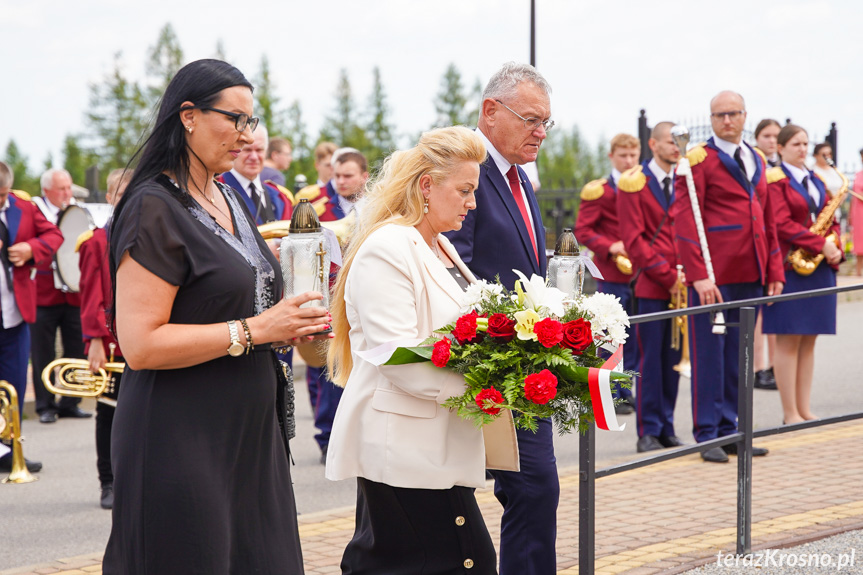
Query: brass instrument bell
x,y
11,432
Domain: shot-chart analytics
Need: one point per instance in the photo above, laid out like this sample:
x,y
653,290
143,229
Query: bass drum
x,y
73,222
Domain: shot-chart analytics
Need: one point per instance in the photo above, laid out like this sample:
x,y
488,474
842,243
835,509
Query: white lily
x,y
538,295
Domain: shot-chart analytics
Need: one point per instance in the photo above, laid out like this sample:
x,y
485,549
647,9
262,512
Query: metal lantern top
x,y
305,219
566,245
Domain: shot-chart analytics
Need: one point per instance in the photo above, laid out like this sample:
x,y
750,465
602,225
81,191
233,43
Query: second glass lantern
x,y
566,267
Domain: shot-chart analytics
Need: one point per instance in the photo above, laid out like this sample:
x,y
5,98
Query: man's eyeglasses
x,y
530,123
730,115
241,121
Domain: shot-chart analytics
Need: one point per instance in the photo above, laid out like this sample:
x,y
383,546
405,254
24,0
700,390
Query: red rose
x,y
577,335
465,329
487,399
441,353
540,387
501,327
549,332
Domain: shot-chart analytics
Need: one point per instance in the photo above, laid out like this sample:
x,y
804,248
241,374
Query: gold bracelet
x,y
250,345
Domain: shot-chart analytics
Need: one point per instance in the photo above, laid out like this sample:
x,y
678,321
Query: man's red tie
x,y
512,176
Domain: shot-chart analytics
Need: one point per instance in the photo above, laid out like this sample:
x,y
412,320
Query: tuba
x,y
343,229
804,262
76,380
10,430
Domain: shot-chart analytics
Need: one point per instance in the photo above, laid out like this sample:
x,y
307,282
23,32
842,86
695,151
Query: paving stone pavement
x,y
675,515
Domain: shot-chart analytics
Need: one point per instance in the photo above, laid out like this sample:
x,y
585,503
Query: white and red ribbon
x,y
599,381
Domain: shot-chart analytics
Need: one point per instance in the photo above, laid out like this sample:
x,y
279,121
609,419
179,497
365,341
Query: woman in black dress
x,y
202,483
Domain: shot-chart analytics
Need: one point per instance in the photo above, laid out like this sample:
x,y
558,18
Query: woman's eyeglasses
x,y
241,121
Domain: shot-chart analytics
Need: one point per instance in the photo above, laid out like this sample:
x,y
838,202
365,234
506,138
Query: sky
x,y
605,60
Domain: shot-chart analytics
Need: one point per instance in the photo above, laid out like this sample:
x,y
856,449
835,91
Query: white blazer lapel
x,y
436,269
450,250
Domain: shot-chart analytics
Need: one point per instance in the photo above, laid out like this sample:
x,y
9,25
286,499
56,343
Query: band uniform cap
x,y
697,154
775,175
22,195
593,190
632,180
82,238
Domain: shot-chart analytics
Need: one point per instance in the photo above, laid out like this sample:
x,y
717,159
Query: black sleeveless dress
x,y
201,474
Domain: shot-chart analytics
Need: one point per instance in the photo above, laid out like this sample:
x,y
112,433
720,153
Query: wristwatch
x,y
236,349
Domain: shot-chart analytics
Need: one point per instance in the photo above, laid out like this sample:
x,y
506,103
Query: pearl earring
x,y
426,207
189,129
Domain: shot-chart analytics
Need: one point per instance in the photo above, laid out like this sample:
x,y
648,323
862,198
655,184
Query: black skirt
x,y
403,531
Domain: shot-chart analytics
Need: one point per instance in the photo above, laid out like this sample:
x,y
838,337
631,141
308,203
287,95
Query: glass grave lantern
x,y
566,267
304,257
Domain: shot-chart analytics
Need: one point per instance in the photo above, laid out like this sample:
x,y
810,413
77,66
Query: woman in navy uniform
x,y
798,196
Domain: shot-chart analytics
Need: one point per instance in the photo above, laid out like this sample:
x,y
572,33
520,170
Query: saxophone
x,y
804,262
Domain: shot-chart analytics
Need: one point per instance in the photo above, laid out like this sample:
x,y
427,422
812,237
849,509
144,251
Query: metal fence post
x,y
744,425
586,500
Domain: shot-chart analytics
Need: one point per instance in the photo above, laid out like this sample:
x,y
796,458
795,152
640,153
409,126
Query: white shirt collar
x,y
502,164
797,173
49,210
615,175
746,154
244,182
658,173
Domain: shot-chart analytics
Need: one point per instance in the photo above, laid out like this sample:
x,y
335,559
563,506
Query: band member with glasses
x,y
202,480
27,240
739,225
798,196
503,233
597,226
646,194
96,290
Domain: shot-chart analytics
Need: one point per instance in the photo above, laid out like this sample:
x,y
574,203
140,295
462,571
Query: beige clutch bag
x,y
501,445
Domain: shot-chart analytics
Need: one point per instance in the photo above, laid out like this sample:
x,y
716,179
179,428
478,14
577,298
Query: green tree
x,y
164,59
342,127
266,100
17,162
475,103
567,161
76,159
116,118
451,102
379,129
220,51
304,161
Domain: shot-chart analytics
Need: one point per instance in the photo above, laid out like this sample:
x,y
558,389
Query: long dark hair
x,y
165,149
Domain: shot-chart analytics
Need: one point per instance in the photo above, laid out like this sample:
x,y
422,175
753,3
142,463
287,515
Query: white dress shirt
x,y
798,175
659,174
746,154
503,165
244,182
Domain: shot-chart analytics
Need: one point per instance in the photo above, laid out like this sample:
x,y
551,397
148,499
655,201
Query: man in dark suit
x,y
739,226
503,233
264,200
27,239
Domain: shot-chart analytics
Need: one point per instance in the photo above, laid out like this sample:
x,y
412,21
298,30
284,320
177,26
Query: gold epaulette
x,y
696,155
775,174
22,195
83,238
308,193
632,180
760,153
288,193
593,190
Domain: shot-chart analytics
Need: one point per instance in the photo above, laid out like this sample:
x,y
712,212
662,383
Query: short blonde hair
x,y
395,196
118,178
624,141
324,149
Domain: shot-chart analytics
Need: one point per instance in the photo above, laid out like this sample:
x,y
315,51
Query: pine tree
x,y
77,159
342,127
379,130
220,51
164,59
451,101
304,161
17,162
117,118
266,101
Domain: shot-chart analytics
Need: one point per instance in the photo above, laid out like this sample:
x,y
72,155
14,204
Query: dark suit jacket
x,y
27,224
275,204
493,239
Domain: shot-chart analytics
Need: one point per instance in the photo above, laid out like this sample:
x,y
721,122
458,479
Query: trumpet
x,y
679,326
75,379
10,430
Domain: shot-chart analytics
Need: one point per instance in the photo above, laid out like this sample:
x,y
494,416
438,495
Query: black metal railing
x,y
588,474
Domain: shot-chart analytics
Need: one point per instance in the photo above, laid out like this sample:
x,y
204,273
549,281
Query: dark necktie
x,y
512,176
666,188
813,207
739,159
256,200
4,253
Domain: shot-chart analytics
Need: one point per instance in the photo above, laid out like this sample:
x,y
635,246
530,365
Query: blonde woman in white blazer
x,y
416,463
